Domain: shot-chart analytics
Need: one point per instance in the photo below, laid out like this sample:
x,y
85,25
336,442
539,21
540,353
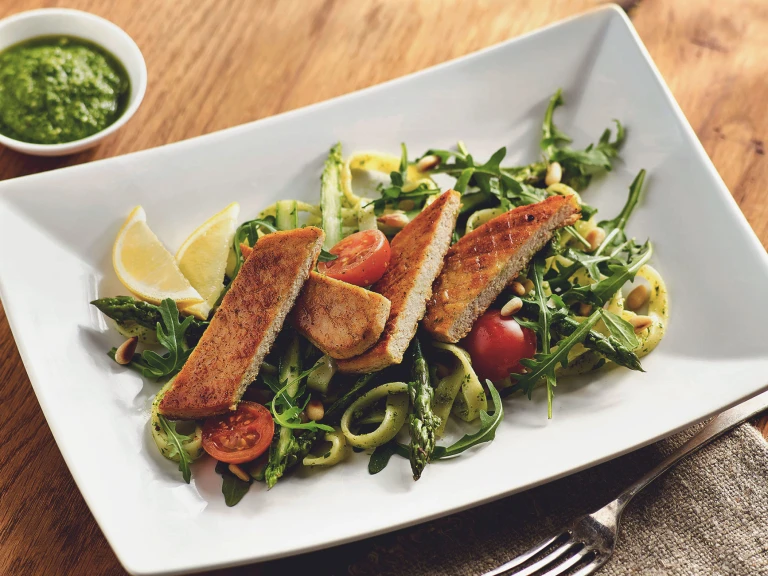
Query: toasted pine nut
x,y
407,204
428,162
637,297
124,354
395,220
315,410
239,472
512,306
640,323
585,309
517,289
554,174
595,238
528,285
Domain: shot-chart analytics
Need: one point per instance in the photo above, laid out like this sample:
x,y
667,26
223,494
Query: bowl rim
x,y
139,83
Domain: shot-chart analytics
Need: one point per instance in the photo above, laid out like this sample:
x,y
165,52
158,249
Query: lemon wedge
x,y
146,268
202,258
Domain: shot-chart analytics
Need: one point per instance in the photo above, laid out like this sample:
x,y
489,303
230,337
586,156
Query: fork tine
x,y
568,564
547,560
593,566
525,556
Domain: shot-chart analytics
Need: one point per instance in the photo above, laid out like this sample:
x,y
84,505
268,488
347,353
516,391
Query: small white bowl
x,y
65,22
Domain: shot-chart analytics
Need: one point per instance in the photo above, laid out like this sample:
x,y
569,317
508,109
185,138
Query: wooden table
x,y
215,64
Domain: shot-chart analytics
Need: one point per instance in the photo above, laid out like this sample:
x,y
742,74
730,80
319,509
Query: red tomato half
x,y
363,257
496,345
240,436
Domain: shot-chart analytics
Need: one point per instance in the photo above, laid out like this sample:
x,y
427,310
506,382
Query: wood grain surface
x,y
218,63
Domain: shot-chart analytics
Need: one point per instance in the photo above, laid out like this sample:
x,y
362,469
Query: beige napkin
x,y
708,516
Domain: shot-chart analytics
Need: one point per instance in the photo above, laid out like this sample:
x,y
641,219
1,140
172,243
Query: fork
x,y
588,543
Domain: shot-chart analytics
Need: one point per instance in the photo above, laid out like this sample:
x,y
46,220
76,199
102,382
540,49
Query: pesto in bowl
x,y
56,89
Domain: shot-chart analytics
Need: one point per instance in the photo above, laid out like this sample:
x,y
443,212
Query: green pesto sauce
x,y
56,89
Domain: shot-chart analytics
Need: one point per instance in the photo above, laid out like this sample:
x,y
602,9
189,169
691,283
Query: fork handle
x,y
712,430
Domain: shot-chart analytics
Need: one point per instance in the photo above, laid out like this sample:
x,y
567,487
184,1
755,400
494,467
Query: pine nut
x,y
595,237
554,174
640,323
585,309
239,472
637,297
124,354
512,306
407,204
428,162
315,410
528,285
518,289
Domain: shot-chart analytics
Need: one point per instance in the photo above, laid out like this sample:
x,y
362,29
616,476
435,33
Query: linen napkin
x,y
708,516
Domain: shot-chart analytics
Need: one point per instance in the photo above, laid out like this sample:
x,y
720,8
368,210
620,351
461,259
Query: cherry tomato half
x,y
240,436
363,257
496,345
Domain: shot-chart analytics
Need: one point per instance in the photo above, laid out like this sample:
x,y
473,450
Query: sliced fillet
x,y
244,327
341,319
417,258
479,266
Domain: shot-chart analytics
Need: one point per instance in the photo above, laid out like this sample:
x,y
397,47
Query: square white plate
x,y
57,228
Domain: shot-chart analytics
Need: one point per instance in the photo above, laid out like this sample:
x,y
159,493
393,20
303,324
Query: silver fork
x,y
589,541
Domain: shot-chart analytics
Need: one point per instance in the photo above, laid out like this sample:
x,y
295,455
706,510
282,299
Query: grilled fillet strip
x,y
339,318
244,327
479,266
417,257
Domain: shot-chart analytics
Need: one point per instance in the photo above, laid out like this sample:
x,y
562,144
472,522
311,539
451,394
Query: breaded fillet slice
x,y
479,266
417,258
339,318
244,327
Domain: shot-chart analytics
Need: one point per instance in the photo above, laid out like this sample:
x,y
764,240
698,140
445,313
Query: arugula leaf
x,y
394,192
176,440
617,224
487,432
382,454
490,178
551,136
588,261
564,325
618,275
543,365
231,486
545,319
171,334
620,329
463,180
360,387
578,165
288,414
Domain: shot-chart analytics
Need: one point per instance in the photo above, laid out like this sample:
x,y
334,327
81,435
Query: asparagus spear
x,y
286,448
127,310
331,197
423,422
609,347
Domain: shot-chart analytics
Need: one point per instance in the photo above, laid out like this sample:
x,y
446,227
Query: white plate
x,y
56,233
